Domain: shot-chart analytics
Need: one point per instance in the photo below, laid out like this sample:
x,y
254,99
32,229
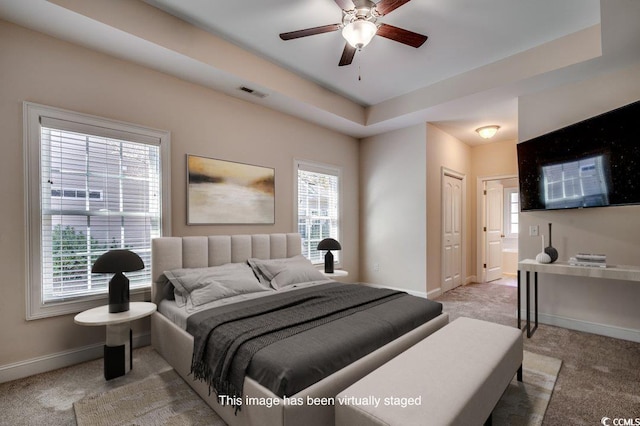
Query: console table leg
x,y
535,301
519,313
528,305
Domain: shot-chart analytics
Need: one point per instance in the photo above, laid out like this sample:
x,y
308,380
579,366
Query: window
x,y
92,185
318,207
512,207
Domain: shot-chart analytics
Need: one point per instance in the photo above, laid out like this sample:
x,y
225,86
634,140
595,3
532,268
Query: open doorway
x,y
498,208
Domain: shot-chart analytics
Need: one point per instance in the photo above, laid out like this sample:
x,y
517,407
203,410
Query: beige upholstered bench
x,y
453,377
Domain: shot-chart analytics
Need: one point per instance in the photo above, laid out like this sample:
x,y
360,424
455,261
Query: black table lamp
x,y
329,244
118,261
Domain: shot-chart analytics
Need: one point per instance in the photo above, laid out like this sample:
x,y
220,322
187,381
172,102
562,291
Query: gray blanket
x,y
226,340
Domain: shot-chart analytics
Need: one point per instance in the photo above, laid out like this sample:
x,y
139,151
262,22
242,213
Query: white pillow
x,y
280,273
203,285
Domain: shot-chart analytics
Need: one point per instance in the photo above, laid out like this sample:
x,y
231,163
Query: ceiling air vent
x,y
252,92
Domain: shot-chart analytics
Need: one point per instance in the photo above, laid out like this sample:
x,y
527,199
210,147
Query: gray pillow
x,y
203,285
280,273
168,290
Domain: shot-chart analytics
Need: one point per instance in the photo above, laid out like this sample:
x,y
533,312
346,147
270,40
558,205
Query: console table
x,y
611,272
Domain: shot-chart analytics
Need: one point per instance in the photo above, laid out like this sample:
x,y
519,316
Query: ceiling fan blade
x,y
347,55
345,4
401,35
310,31
387,6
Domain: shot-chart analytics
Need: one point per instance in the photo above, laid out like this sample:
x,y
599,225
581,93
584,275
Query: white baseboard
x,y
434,293
29,367
471,279
586,326
411,292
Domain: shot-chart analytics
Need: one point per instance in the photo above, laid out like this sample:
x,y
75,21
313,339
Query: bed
x,y
177,257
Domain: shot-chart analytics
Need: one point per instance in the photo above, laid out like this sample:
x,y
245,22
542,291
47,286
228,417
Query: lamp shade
x,y
329,244
117,261
359,33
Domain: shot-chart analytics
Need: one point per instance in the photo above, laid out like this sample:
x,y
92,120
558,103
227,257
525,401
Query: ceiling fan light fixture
x,y
359,33
487,132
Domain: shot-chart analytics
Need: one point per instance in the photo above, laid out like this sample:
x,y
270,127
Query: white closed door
x,y
451,232
493,230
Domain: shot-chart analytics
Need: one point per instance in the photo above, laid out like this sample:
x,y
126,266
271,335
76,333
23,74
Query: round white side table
x,y
117,350
336,273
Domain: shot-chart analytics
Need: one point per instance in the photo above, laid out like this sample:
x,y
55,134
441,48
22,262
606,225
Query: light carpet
x,y
165,399
162,399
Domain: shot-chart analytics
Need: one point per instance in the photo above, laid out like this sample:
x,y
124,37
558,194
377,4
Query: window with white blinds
x,y
99,187
318,207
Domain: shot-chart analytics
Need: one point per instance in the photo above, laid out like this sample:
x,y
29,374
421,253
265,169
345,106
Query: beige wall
x,y
443,150
393,209
600,306
494,159
41,69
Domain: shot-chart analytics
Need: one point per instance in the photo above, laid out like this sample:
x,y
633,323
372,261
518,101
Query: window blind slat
x,y
97,131
99,192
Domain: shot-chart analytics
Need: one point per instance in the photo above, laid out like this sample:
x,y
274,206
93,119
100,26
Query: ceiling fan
x,y
359,26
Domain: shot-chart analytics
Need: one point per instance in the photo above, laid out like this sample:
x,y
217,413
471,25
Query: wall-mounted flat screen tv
x,y
593,163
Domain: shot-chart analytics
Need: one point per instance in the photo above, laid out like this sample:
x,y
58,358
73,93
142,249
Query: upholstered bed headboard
x,y
197,252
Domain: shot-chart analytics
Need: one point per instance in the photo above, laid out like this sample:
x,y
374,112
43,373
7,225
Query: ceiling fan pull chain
x,y
359,74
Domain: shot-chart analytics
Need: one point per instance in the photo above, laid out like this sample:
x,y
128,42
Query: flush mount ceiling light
x,y
487,132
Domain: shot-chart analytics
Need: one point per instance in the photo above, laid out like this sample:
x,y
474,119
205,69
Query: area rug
x,y
162,399
525,403
165,399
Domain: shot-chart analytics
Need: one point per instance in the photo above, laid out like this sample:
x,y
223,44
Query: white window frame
x,y
508,212
32,114
325,169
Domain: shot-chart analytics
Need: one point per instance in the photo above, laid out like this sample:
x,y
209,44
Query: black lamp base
x,y
328,262
118,293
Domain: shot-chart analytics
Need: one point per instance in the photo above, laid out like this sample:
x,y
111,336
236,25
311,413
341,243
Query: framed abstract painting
x,y
227,192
